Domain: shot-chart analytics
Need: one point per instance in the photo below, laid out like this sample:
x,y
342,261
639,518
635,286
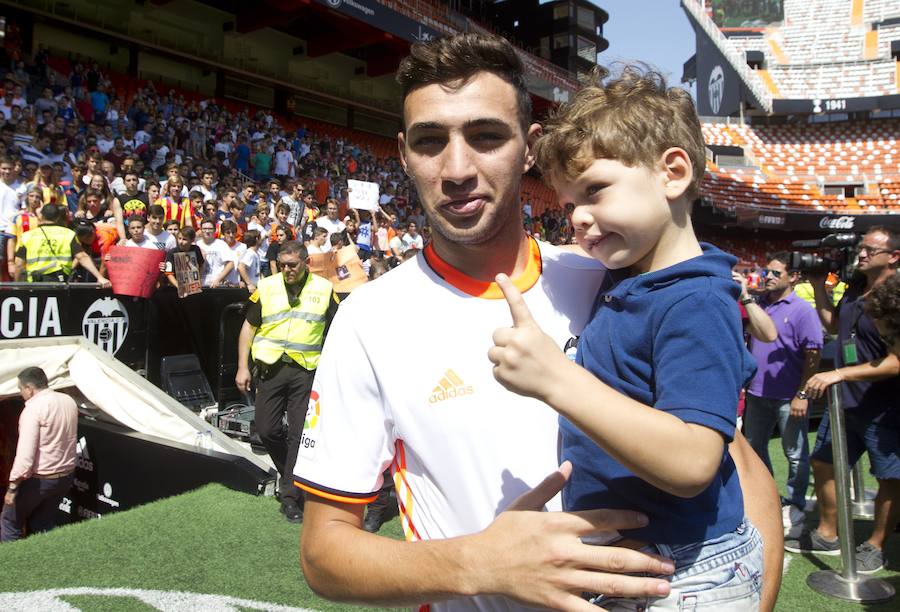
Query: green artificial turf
x,y
219,542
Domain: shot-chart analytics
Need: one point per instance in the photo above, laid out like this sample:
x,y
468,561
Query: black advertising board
x,y
719,88
835,105
117,324
381,17
823,222
154,469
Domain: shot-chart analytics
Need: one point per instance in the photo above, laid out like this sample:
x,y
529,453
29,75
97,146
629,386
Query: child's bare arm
x,y
640,437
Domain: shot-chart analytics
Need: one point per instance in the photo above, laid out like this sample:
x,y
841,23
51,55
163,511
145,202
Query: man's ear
x,y
679,172
534,131
401,147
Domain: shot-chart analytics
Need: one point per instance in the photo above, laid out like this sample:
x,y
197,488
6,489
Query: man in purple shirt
x,y
775,394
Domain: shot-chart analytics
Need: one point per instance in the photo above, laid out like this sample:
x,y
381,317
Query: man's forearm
x,y
825,308
759,323
341,562
244,340
872,371
812,357
762,506
88,264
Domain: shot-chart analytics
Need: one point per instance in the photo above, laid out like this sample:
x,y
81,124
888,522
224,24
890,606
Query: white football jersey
x,y
461,448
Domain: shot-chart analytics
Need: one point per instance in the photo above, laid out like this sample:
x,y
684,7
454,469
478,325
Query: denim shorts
x,y
724,573
880,437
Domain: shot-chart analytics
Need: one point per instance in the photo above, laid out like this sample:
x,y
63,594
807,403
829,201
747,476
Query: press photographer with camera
x,y
868,373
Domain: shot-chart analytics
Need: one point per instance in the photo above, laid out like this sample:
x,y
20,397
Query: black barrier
x,y
155,469
117,324
136,331
206,324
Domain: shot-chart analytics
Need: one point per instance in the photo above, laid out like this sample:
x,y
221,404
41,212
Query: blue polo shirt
x,y
670,339
878,400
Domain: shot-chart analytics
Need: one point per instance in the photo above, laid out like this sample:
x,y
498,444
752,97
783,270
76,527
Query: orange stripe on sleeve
x,y
338,498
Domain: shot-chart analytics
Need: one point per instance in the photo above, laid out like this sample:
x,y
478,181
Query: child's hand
x,y
524,357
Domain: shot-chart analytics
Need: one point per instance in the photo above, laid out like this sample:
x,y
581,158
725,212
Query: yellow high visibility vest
x,y
48,248
298,331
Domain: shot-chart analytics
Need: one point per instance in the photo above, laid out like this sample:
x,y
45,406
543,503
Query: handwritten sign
x,y
187,274
133,270
362,195
342,267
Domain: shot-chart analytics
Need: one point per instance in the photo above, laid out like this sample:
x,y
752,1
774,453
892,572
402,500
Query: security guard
x,y
47,251
286,323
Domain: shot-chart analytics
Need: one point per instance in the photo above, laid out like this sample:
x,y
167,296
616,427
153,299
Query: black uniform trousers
x,y
283,388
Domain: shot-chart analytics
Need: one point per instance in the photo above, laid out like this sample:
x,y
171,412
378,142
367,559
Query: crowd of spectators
x,y
159,170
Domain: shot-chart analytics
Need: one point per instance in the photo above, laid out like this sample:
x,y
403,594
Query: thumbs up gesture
x,y
525,358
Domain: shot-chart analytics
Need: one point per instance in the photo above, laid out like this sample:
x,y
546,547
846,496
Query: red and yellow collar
x,y
484,289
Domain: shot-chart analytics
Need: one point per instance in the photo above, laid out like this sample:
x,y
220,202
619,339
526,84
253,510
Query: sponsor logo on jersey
x,y
308,437
449,387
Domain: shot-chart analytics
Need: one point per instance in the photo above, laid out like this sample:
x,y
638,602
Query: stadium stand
x,y
791,164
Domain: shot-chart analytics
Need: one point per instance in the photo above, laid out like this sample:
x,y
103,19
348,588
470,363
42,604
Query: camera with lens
x,y
836,253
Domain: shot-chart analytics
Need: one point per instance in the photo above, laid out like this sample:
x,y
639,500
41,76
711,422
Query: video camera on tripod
x,y
839,257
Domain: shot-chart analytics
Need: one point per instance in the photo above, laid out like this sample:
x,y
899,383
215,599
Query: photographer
x,y
871,400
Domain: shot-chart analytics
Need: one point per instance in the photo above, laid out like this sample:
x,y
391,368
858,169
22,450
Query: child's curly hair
x,y
632,118
884,304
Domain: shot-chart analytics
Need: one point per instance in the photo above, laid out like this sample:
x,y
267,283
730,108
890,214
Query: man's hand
x,y
523,354
799,407
105,283
242,379
818,384
10,498
816,278
742,281
538,557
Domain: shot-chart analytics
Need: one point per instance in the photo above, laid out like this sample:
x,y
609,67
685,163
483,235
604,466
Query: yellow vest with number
x,y
48,248
298,331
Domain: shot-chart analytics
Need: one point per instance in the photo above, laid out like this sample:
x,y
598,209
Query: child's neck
x,y
675,245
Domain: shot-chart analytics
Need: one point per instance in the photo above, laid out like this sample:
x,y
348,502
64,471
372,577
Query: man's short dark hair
x,y
51,212
33,376
454,60
155,210
782,256
293,247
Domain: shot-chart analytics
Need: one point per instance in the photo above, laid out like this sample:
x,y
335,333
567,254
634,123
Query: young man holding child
x,y
469,459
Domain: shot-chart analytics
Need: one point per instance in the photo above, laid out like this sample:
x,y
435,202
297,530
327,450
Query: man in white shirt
x,y
412,239
9,206
218,260
161,239
331,223
206,186
466,456
136,232
284,161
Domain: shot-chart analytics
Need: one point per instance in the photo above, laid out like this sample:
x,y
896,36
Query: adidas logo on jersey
x,y
449,387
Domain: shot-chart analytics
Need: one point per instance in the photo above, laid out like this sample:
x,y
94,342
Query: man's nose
x,y
458,165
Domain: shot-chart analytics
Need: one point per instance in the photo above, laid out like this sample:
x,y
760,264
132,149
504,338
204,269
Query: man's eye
x,y
427,141
594,189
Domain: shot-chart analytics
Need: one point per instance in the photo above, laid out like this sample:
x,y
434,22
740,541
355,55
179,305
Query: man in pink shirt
x,y
45,458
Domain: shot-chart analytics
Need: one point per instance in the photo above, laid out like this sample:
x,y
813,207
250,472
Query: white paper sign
x,y
362,195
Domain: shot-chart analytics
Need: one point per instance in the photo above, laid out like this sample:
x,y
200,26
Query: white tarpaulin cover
x,y
113,388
